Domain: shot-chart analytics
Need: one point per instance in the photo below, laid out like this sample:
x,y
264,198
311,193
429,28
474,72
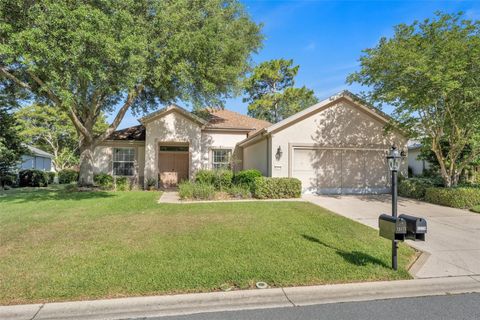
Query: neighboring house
x,y
336,146
37,159
418,166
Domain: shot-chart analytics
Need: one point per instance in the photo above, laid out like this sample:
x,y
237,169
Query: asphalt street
x,y
451,307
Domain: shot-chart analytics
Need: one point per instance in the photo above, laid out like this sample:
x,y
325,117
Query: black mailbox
x,y
393,228
416,227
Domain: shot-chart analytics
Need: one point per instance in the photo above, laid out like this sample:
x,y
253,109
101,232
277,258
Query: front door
x,y
172,166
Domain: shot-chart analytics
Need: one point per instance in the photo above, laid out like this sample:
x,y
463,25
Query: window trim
x,y
121,161
212,159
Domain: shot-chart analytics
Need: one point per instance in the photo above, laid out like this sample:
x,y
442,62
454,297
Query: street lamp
x,y
394,160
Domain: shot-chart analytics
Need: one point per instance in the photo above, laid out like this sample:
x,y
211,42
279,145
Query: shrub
x,y
103,180
67,176
8,180
121,183
221,179
51,177
32,178
198,191
71,187
454,197
246,177
151,183
414,187
277,188
205,176
241,191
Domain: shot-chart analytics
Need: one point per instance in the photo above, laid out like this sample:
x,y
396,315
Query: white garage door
x,y
340,171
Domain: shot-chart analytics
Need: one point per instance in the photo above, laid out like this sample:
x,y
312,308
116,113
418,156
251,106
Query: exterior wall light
x,y
279,153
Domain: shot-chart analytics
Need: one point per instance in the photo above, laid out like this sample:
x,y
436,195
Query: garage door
x,y
340,171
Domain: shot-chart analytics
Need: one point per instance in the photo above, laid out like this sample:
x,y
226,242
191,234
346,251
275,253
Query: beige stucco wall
x,y
220,140
103,161
172,127
255,156
339,126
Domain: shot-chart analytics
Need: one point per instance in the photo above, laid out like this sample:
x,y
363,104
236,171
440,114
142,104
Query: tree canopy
x,y
89,58
429,72
271,94
51,130
11,144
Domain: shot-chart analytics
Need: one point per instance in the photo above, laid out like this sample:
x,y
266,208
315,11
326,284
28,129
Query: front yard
x,y
56,245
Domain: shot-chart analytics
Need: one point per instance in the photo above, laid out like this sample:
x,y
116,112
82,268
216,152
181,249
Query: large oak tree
x,y
429,72
91,57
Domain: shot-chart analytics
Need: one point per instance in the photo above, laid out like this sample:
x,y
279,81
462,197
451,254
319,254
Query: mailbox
x,y
393,228
416,227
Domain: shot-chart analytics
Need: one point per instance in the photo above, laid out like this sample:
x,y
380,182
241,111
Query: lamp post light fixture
x,y
394,160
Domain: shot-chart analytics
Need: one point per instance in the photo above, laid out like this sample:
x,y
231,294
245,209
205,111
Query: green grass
x,y
56,245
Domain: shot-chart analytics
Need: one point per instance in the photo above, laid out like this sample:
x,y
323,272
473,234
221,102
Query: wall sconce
x,y
279,153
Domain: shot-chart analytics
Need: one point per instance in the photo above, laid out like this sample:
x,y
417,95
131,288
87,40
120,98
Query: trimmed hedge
x,y
67,176
414,187
246,177
277,188
32,178
240,191
454,197
103,180
196,190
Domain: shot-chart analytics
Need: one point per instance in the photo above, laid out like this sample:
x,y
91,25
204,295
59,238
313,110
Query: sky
x,y
326,37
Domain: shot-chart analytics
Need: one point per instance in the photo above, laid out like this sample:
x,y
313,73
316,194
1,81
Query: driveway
x,y
452,242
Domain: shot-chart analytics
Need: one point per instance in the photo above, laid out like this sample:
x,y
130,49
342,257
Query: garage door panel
x,y
353,163
340,171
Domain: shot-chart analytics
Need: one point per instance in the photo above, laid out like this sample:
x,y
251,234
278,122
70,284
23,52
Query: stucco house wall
x,y
220,140
255,156
103,157
340,125
417,166
172,127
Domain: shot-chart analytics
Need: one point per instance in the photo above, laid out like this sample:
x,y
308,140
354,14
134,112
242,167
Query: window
x,y
123,162
221,158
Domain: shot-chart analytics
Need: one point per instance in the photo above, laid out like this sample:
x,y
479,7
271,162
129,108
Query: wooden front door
x,y
172,168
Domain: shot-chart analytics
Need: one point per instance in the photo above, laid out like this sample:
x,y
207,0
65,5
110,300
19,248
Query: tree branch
x,y
132,95
19,82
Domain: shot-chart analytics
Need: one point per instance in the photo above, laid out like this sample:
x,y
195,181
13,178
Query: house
x,y
416,165
335,146
36,159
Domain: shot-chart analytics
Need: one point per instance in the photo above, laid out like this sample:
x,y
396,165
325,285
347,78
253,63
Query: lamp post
x,y
394,160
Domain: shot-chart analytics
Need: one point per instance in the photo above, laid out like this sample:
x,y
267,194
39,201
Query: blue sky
x,y
326,37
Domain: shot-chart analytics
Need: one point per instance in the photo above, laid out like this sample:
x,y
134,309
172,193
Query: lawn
x,y
56,245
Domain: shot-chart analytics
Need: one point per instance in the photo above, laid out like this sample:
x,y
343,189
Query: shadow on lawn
x,y
24,195
354,257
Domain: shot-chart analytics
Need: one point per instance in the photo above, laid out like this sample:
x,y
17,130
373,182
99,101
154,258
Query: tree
x,y
88,58
11,147
270,91
430,73
51,130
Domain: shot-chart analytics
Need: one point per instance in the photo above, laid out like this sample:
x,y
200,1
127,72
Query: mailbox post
x,y
394,160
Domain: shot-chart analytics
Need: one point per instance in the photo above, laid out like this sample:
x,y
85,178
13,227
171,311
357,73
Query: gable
x,y
341,123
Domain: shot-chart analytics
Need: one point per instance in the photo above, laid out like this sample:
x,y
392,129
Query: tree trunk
x,y
85,178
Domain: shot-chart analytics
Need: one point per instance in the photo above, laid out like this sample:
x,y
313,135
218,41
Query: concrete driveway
x,y
452,242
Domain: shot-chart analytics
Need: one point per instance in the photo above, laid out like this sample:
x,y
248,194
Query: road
x,y
451,307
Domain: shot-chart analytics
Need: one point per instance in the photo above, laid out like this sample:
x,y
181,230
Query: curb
x,y
158,306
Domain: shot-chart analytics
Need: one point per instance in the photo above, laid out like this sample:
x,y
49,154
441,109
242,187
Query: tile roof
x,y
136,133
217,119
233,120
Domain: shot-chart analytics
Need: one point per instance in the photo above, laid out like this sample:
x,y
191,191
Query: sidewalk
x,y
158,306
